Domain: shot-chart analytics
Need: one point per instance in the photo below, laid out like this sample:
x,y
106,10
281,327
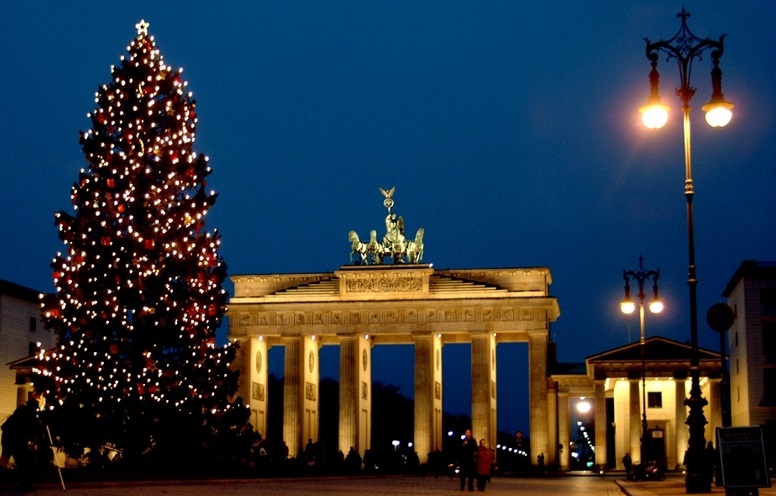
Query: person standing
x,y
21,433
485,459
466,457
627,462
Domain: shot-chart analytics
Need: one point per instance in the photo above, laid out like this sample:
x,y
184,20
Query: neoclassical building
x,y
361,306
612,384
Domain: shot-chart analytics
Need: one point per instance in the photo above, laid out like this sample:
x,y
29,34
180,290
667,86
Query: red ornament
x,y
114,349
111,183
149,244
105,241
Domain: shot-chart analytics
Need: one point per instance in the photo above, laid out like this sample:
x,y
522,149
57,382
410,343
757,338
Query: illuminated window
x,y
655,399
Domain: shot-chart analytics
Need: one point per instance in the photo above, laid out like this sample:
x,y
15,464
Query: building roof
x,y
18,291
749,268
656,348
665,358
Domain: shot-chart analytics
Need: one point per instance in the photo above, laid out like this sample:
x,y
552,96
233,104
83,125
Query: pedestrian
x,y
485,459
21,432
467,453
353,461
627,461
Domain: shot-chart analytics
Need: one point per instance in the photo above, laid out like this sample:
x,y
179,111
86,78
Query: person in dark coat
x,y
466,456
20,435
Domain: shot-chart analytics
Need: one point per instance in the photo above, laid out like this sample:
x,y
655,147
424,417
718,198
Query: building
x,y
361,306
751,293
21,331
612,389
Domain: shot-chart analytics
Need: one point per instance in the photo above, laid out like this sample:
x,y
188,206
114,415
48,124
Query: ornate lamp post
x,y
627,306
684,48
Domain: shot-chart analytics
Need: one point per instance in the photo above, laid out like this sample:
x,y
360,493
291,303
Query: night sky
x,y
510,130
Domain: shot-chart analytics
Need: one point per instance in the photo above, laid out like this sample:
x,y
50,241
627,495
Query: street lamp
x,y
685,47
627,306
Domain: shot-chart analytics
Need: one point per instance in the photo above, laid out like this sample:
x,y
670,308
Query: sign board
x,y
742,457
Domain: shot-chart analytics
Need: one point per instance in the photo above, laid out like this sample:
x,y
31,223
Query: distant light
x,y
583,406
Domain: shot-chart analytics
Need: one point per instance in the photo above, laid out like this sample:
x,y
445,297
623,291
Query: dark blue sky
x,y
509,128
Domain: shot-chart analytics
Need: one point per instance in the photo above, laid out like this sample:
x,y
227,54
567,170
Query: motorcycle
x,y
649,471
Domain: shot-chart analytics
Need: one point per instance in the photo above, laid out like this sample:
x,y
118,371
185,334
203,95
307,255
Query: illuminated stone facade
x,y
358,307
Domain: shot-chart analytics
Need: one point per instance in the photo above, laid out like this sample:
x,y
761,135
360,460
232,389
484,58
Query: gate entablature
x,y
390,302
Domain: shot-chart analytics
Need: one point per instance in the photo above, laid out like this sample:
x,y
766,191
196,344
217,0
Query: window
x,y
33,324
769,340
655,399
768,300
769,387
32,348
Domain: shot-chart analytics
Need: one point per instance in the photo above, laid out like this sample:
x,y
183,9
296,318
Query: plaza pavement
x,y
608,485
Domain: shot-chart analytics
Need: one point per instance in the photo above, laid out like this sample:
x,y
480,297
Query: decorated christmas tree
x,y
139,291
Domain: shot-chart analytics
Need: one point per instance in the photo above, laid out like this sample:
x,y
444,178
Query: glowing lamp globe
x,y
627,307
719,113
654,115
655,306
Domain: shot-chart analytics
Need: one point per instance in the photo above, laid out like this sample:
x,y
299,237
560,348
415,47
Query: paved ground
x,y
672,486
341,486
378,486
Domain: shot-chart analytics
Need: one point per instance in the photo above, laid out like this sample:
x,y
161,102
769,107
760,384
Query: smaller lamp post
x,y
627,306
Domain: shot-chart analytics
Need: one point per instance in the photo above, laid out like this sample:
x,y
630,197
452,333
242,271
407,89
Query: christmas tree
x,y
139,291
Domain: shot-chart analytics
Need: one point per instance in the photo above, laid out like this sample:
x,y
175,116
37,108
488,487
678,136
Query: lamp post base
x,y
696,483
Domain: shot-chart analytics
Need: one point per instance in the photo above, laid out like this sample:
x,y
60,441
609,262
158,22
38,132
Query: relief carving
x,y
309,391
384,285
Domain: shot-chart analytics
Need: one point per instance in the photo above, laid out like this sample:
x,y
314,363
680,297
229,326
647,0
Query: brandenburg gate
x,y
370,303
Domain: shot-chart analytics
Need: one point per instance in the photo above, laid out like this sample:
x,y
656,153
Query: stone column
x,y
355,395
600,422
428,394
300,393
311,408
564,424
552,407
715,409
680,416
484,387
634,419
348,392
242,362
257,378
365,396
293,378
537,393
